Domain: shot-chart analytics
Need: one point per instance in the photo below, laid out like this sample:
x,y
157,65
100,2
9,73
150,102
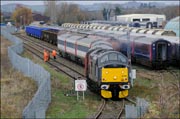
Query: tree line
x,y
63,12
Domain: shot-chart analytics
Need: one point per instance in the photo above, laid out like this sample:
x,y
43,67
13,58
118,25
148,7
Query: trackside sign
x,y
80,85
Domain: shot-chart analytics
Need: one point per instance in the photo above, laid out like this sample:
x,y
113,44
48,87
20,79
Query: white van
x,y
147,20
9,24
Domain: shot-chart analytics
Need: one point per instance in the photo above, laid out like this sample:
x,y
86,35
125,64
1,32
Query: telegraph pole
x,y
129,53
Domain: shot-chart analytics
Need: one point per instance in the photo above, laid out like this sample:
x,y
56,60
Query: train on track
x,y
153,51
168,35
107,71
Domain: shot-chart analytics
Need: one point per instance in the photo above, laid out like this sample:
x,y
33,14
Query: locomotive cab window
x,y
122,59
104,59
113,56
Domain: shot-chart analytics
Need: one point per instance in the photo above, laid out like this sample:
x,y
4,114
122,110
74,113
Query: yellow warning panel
x,y
106,94
114,75
123,94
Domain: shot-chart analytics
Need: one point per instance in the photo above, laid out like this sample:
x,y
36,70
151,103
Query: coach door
x,y
161,51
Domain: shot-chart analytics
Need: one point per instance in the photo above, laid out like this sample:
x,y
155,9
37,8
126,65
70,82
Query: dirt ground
x,y
16,90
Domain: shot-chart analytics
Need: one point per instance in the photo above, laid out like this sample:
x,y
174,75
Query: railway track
x,y
174,73
110,109
66,67
44,45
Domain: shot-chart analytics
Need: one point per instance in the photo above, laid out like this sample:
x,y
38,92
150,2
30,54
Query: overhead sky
x,y
81,2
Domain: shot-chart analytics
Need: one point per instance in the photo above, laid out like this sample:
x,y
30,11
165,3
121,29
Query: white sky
x,y
80,2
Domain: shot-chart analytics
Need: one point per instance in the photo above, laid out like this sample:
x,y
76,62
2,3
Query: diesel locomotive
x,y
107,71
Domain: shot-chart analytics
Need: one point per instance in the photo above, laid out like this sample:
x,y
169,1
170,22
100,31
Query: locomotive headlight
x,y
122,72
105,87
125,78
115,77
124,86
168,44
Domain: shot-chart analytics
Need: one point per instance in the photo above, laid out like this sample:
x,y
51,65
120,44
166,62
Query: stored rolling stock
x,y
50,35
175,46
175,52
156,32
152,52
168,35
35,31
118,41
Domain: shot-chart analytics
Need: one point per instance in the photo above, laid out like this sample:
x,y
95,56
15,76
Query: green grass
x,y
55,74
67,107
144,88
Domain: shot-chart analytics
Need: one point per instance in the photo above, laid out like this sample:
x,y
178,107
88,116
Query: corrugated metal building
x,y
174,25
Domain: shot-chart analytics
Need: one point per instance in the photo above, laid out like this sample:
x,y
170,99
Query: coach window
x,y
71,45
61,42
83,48
144,49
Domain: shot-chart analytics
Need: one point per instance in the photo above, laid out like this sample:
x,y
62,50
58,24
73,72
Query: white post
x,y
28,68
77,95
83,95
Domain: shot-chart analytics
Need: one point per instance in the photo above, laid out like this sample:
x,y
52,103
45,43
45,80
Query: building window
x,y
136,20
146,19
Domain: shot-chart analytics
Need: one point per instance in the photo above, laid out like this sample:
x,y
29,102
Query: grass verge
x,y
16,89
63,106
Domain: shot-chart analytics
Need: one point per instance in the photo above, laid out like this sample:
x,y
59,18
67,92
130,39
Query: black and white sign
x,y
80,85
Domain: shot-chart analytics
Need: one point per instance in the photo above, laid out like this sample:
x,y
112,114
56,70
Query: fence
x,y
37,107
137,111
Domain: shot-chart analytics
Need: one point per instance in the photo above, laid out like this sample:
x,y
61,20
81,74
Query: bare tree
x,y
107,9
22,16
70,13
51,10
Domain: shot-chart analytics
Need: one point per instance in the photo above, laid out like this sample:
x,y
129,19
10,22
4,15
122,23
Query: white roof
x,y
141,15
74,38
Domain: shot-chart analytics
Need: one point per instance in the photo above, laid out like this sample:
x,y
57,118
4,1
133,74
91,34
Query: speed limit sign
x,y
80,85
